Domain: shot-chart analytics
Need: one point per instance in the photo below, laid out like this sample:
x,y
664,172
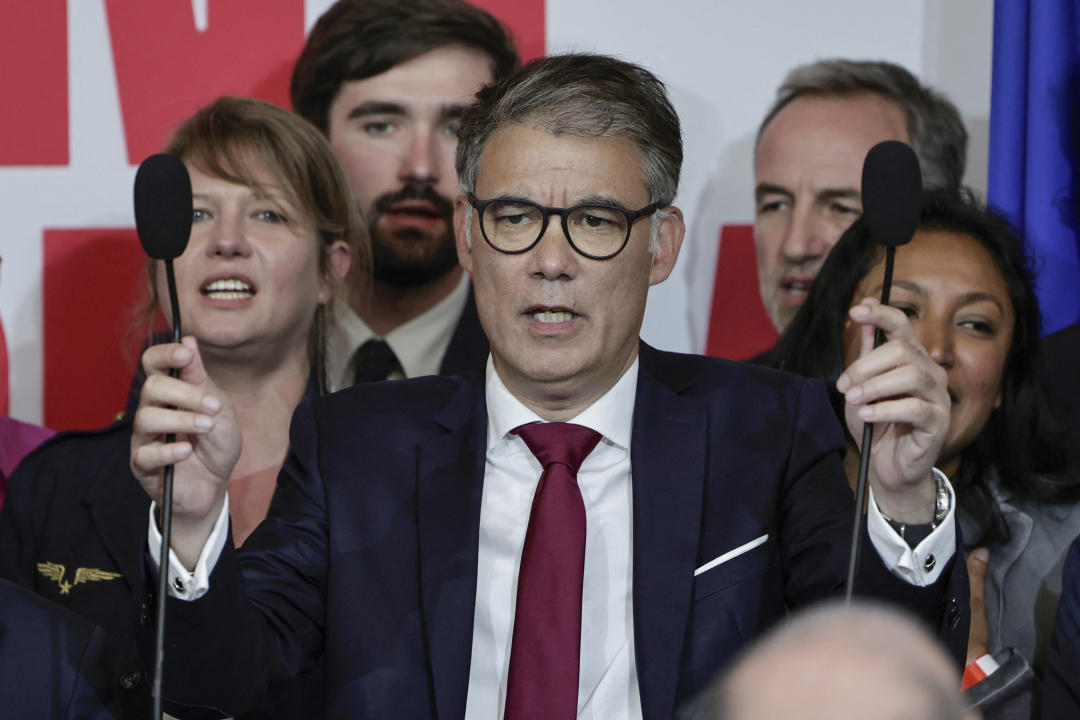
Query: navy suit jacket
x,y
370,550
53,664
73,504
468,348
1062,676
1059,354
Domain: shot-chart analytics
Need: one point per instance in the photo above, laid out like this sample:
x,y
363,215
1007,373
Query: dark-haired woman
x,y
965,284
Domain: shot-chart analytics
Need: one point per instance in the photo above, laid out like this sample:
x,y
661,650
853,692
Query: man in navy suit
x,y
700,498
387,81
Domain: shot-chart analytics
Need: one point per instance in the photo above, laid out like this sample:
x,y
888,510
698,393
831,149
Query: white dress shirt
x,y
419,344
607,680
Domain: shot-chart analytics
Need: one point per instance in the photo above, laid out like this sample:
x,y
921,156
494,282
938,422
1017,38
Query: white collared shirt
x,y
419,344
607,680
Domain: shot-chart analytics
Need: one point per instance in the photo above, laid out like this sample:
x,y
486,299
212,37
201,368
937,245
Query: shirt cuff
x,y
921,565
182,584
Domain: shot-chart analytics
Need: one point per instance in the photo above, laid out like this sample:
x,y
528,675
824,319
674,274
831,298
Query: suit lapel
x,y
668,460
119,511
449,486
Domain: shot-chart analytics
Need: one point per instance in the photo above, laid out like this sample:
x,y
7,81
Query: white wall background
x,y
721,59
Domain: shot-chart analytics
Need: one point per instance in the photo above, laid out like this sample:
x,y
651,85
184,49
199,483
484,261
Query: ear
x,y
339,255
462,208
670,236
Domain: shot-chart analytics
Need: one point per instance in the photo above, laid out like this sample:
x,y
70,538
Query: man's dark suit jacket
x,y
371,545
468,348
1060,358
53,664
1062,677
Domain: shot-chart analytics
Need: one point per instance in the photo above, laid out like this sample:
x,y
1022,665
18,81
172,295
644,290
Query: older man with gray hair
x,y
808,163
591,528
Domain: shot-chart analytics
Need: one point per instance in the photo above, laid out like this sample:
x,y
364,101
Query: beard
x,y
405,256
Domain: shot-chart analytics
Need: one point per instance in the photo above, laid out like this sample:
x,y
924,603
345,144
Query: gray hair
x,y
584,95
933,123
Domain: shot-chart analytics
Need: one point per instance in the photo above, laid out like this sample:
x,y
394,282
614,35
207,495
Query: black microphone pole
x,y
892,202
867,439
166,521
163,213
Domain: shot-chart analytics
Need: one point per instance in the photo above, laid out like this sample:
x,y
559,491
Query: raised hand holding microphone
x,y
896,397
204,452
178,397
170,405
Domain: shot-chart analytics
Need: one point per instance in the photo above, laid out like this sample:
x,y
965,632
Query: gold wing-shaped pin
x,y
55,572
83,575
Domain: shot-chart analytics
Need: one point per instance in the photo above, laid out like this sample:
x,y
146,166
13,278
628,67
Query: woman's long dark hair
x,y
1019,441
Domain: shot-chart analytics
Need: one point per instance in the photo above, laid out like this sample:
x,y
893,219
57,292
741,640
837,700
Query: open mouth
x,y
231,288
797,287
548,315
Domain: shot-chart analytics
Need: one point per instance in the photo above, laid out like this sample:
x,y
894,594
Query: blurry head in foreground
x,y
839,662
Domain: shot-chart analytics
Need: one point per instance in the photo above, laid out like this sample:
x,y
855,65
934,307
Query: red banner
x,y
34,83
94,280
166,69
739,327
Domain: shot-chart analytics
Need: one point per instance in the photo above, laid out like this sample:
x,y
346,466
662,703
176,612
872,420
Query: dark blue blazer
x,y
73,505
53,664
1062,676
468,348
1059,354
370,550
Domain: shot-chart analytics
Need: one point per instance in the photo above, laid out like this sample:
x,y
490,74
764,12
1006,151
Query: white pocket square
x,y
745,548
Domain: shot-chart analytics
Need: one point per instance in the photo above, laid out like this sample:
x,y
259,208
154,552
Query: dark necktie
x,y
373,361
545,652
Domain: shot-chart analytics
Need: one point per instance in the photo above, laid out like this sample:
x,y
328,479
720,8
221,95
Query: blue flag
x,y
1035,142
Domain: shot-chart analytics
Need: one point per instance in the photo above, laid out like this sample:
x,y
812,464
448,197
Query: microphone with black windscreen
x,y
892,203
163,212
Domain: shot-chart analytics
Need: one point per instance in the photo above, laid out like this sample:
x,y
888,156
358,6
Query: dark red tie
x,y
544,656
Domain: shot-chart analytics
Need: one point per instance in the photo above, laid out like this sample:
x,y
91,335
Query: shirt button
x,y
130,680
178,585
929,563
145,609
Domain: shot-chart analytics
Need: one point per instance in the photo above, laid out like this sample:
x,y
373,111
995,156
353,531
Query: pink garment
x,y
16,440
